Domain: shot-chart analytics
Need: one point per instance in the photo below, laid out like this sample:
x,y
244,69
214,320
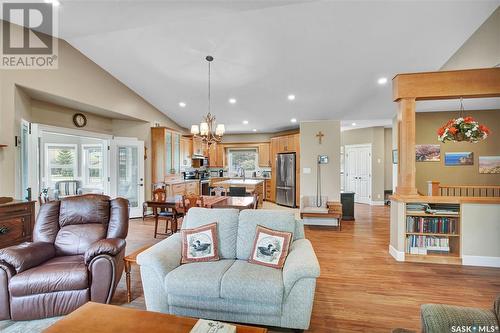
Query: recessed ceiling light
x,y
382,80
353,124
182,104
232,100
245,122
55,3
254,130
291,97
293,120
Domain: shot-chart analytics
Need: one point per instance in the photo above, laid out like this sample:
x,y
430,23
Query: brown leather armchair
x,y
76,256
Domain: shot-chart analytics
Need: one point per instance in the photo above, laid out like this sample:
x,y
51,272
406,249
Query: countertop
x,y
246,181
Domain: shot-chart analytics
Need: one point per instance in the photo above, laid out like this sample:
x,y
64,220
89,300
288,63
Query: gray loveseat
x,y
232,289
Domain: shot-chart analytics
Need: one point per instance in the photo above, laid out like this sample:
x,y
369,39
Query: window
x,y
243,158
61,162
93,171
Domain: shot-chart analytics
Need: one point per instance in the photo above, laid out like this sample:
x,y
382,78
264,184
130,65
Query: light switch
x,y
306,171
379,160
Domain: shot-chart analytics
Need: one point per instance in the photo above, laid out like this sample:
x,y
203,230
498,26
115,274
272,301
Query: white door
x,y
358,167
127,172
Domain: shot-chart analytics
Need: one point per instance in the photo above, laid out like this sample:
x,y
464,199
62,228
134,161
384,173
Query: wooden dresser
x,y
17,219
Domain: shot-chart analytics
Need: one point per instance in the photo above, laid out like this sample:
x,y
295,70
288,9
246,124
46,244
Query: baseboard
x,y
377,202
481,261
398,255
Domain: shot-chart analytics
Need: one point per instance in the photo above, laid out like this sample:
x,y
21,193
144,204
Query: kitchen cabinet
x,y
186,152
216,155
198,146
165,153
264,154
189,187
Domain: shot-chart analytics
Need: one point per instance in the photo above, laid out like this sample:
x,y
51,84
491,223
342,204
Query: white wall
x,y
309,151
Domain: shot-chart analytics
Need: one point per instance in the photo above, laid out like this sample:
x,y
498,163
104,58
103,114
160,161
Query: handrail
x,y
434,188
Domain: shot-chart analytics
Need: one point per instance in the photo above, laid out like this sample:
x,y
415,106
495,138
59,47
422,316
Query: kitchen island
x,y
254,186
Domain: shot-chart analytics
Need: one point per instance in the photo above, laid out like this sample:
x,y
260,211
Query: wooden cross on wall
x,y
320,136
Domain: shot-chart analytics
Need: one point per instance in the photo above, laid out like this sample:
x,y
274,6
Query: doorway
x,y
66,162
358,172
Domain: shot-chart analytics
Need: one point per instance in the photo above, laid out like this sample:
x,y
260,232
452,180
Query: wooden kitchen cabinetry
x,y
183,188
165,153
216,156
198,146
264,154
16,222
186,152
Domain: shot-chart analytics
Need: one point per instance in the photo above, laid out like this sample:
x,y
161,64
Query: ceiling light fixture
x,y
382,80
293,120
182,104
291,97
207,130
254,130
245,122
232,100
353,124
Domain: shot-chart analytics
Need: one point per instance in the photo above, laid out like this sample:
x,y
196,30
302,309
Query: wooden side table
x,y
128,261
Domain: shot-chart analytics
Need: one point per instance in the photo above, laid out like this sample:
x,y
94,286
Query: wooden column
x,y
406,147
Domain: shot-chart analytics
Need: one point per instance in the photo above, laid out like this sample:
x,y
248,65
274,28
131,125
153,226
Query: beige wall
x,y
426,127
388,158
376,137
482,49
77,79
309,151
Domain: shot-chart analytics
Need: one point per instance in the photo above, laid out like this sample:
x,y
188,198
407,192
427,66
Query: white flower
x,y
459,120
468,133
475,127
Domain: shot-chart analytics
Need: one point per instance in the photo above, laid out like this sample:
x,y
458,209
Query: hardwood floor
x,y
361,287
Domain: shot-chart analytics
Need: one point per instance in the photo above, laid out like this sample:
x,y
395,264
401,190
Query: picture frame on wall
x,y
394,156
458,158
489,164
428,153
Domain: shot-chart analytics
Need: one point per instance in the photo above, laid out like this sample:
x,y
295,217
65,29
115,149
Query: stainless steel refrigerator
x,y
285,179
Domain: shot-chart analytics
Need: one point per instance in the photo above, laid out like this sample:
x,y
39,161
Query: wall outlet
x,y
379,160
306,171
378,196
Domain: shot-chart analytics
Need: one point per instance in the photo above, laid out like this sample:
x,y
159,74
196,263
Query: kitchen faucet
x,y
240,172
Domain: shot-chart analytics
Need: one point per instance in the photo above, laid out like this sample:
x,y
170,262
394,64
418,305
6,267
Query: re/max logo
x,y
474,329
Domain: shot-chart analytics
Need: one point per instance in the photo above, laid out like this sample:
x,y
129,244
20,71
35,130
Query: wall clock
x,y
79,120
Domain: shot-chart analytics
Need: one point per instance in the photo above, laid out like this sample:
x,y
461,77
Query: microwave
x,y
199,162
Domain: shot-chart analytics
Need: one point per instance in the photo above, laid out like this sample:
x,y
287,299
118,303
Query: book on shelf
x,y
423,245
434,225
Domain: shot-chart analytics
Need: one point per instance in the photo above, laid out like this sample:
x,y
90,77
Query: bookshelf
x,y
433,233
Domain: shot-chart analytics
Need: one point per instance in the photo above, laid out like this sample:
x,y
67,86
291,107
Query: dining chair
x,y
255,201
192,201
237,191
169,214
145,207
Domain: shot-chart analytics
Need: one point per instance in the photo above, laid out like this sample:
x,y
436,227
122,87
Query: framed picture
x,y
394,156
460,158
428,153
489,164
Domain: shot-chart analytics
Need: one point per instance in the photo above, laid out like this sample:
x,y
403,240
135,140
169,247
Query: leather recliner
x,y
76,256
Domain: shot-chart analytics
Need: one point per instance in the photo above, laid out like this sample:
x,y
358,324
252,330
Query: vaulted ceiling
x,y
329,54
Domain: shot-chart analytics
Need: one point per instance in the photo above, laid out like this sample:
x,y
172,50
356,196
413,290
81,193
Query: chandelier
x,y
462,129
207,130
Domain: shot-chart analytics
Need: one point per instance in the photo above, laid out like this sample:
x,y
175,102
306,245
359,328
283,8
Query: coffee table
x,y
103,318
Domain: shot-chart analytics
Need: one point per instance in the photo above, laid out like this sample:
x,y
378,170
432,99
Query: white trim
x,y
398,255
347,185
480,261
332,222
73,132
84,165
377,203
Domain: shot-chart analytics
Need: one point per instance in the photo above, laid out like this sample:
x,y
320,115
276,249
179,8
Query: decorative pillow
x,y
200,244
270,247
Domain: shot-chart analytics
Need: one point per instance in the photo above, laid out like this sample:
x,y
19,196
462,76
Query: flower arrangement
x,y
463,129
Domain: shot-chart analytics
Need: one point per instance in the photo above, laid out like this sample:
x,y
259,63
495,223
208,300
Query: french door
x,y
358,166
127,172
